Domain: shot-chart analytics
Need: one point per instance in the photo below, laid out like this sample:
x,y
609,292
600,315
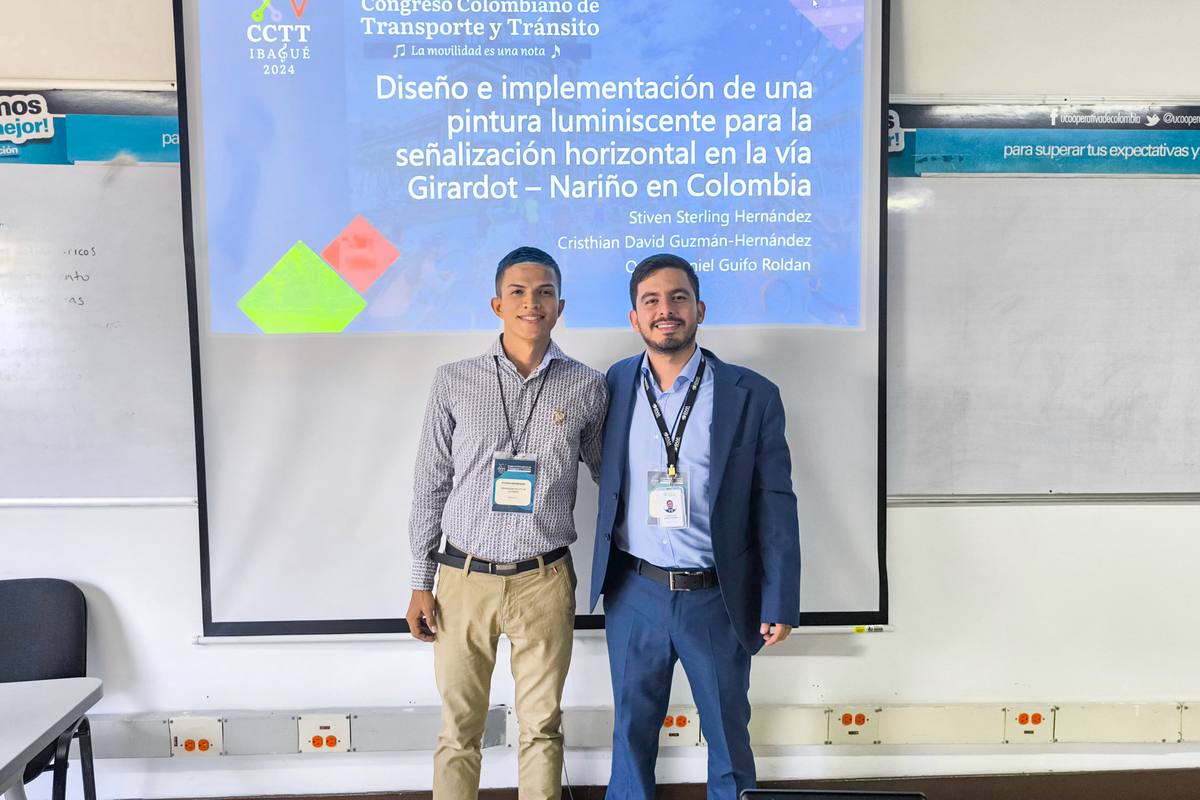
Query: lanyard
x,y
674,439
515,443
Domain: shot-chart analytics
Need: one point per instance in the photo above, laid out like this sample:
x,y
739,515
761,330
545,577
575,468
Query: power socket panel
x,y
1028,724
854,725
323,733
196,736
680,727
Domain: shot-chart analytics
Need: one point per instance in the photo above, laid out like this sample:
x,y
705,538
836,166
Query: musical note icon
x,y
400,50
556,52
275,12
257,14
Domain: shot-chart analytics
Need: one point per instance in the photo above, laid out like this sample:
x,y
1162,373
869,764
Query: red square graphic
x,y
360,254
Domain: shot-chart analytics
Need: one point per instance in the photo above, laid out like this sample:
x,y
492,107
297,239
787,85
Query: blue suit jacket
x,y
755,531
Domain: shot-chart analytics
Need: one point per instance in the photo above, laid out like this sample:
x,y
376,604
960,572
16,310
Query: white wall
x,y
989,603
51,43
1064,48
1088,48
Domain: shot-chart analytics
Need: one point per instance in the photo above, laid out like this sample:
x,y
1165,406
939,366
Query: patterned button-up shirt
x,y
464,430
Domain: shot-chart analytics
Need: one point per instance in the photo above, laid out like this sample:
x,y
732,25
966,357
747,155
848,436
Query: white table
x,y
32,715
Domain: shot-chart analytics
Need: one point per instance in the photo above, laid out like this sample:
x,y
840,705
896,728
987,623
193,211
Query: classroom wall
x,y
1067,603
49,43
1065,48
1082,48
1042,604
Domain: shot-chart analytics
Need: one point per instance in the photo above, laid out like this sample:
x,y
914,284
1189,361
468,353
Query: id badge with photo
x,y
669,497
513,482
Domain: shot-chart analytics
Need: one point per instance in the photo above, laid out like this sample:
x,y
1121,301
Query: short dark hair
x,y
528,255
652,264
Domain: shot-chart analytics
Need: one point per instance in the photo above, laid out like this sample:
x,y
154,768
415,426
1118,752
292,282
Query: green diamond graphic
x,y
301,294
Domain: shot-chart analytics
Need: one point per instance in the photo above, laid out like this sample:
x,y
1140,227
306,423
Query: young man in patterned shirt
x,y
496,473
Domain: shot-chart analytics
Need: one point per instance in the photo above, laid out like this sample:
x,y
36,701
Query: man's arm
x,y
592,437
778,527
433,479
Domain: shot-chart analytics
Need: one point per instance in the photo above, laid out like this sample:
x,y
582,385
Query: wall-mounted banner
x,y
1043,139
70,127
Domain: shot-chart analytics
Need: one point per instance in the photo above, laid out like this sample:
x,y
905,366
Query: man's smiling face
x,y
667,312
527,300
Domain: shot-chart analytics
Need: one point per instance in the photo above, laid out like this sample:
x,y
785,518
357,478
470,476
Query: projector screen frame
x,y
242,628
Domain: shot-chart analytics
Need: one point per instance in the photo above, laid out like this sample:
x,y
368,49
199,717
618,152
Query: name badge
x,y
668,497
513,482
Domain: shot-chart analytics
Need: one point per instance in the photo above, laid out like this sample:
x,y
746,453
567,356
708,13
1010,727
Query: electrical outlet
x,y
1028,724
196,736
680,727
324,733
854,725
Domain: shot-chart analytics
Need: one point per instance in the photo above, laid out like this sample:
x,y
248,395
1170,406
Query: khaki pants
x,y
536,610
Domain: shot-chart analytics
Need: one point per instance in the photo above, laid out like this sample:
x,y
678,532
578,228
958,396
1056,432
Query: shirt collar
x,y
552,352
685,377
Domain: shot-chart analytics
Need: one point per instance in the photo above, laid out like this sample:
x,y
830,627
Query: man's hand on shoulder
x,y
422,615
775,636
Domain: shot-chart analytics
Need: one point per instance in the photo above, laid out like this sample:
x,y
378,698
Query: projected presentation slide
x,y
362,165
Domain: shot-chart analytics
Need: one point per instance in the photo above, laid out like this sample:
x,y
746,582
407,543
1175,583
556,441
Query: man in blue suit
x,y
697,543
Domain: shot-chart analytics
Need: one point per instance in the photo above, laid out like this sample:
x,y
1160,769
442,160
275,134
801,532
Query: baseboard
x,y
1166,784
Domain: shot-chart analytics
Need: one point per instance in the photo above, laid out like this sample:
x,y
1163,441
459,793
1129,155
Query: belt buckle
x,y
685,573
504,569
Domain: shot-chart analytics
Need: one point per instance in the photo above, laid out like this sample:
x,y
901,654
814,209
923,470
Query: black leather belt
x,y
677,580
453,557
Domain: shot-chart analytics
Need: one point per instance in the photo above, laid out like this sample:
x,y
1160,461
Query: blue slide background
x,y
297,156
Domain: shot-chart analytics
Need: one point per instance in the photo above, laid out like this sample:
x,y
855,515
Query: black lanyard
x,y
674,439
515,443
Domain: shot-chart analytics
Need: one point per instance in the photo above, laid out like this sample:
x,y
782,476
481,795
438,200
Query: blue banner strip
x,y
36,151
97,137
1093,152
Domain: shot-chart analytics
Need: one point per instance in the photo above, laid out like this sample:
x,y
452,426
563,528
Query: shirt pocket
x,y
558,430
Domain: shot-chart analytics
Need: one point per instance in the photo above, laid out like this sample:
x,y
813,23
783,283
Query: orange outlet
x,y
680,727
859,725
323,733
1032,724
195,736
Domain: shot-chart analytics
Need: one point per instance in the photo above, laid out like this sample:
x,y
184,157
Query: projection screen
x,y
353,172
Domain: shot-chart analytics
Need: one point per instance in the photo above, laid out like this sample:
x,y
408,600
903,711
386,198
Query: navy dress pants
x,y
649,628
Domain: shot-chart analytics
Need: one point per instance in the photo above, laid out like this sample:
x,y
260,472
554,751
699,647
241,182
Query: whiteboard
x,y
1043,335
95,364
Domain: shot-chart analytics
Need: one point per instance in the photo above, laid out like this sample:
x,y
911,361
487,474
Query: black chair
x,y
43,635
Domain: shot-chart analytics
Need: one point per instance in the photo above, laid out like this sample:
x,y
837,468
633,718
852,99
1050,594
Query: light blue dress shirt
x,y
684,548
